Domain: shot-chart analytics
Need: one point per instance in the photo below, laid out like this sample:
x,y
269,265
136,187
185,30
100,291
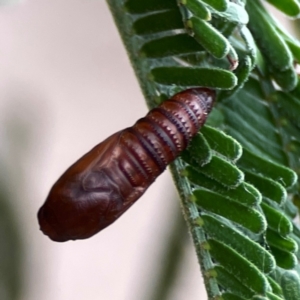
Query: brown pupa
x,y
98,188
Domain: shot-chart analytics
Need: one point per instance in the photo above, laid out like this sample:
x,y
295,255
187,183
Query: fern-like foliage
x,y
238,178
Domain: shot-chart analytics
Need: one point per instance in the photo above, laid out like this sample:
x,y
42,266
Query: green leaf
x,y
244,193
198,152
227,174
209,38
170,46
239,267
286,79
288,7
290,283
297,240
250,121
277,220
276,288
272,44
288,104
242,73
284,260
253,163
231,210
222,143
231,237
162,21
198,8
286,244
213,78
250,44
272,296
294,46
268,187
231,283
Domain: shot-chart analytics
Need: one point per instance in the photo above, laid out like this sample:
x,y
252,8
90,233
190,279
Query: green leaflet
x,y
289,129
227,29
277,220
231,283
216,118
290,209
272,296
214,78
239,267
287,79
250,121
245,216
222,143
198,151
250,44
198,8
251,162
290,283
242,73
291,41
244,193
226,173
231,237
209,38
294,46
170,46
268,187
283,243
276,288
162,21
251,143
288,7
272,45
247,111
297,240
288,104
284,260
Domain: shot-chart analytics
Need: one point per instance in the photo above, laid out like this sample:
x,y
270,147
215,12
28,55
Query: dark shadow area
x,y
10,247
171,258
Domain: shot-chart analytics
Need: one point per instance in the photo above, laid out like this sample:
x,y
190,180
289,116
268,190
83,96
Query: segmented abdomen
x,y
105,182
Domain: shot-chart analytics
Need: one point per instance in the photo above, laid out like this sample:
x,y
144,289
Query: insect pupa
x,y
97,189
